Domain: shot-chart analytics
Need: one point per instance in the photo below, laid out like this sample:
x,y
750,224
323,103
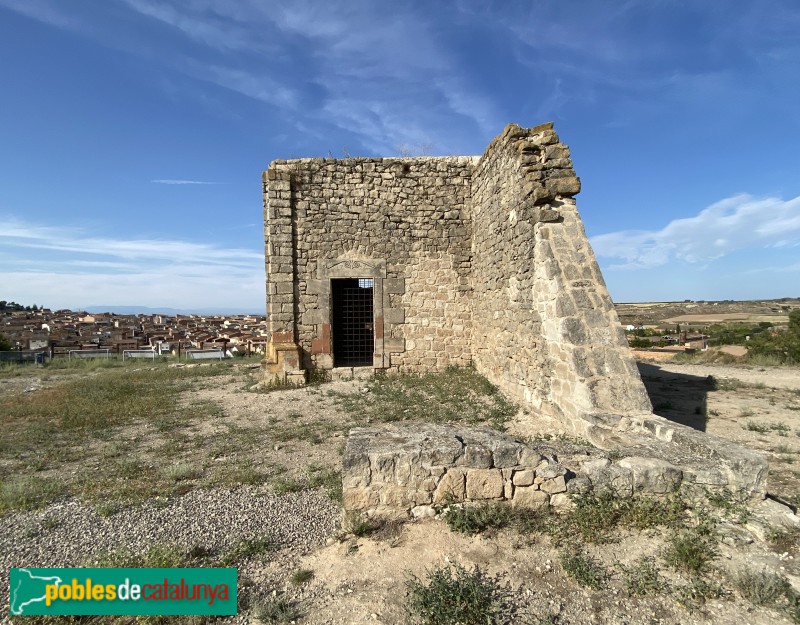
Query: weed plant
x,y
583,568
453,594
456,394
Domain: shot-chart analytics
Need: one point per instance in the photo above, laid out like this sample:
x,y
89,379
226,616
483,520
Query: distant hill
x,y
145,310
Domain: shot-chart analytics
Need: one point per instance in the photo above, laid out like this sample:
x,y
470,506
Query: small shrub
x,y
277,609
784,540
690,551
302,576
699,590
452,595
596,516
26,492
157,556
584,569
727,501
328,478
477,518
767,589
247,548
642,578
182,471
285,485
752,426
724,384
357,524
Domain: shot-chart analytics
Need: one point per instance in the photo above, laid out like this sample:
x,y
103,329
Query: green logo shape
x,y
122,592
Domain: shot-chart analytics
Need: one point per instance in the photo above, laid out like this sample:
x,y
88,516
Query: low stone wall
x,y
406,470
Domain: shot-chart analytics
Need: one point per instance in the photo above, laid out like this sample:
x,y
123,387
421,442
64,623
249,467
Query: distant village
x,y
61,332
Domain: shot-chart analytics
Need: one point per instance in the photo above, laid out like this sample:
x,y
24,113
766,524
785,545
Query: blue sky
x,y
134,132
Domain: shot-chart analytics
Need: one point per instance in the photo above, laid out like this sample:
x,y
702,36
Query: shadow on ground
x,y
676,396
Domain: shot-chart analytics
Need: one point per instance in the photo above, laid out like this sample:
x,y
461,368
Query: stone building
x,y
414,264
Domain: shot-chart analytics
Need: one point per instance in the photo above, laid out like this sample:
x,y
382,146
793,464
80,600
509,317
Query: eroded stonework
x,y
479,260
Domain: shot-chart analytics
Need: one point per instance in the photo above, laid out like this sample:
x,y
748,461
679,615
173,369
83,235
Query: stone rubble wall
x,y
404,220
476,259
545,329
402,471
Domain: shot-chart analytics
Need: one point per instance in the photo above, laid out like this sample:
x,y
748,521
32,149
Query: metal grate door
x,y
353,334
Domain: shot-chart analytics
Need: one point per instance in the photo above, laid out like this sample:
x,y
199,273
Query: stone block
x,y
530,497
394,345
562,502
505,453
452,487
476,456
579,486
359,498
395,497
394,285
394,315
565,186
554,485
551,471
423,512
652,475
484,484
523,478
529,458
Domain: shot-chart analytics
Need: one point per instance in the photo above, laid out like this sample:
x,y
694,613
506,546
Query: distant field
x,y
706,312
727,317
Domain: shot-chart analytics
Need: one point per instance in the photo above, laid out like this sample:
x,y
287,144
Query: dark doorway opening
x,y
353,334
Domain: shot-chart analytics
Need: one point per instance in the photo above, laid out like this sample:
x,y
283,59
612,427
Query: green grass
x,y
691,551
74,430
642,578
327,478
277,609
302,576
595,517
766,589
26,492
762,428
584,569
479,517
453,594
456,394
247,548
182,471
157,556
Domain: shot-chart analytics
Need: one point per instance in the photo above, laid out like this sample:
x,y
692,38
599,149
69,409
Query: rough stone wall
x,y
545,329
480,260
402,470
403,222
406,470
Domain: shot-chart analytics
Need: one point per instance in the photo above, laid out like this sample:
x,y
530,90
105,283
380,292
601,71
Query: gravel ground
x,y
70,534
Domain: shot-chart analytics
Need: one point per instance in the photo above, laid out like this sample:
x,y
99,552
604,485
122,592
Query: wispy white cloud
x,y
737,223
69,267
43,11
179,181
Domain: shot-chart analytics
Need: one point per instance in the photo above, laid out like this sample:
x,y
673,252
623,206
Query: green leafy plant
x,y
583,568
302,576
455,595
477,518
642,578
247,548
691,551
